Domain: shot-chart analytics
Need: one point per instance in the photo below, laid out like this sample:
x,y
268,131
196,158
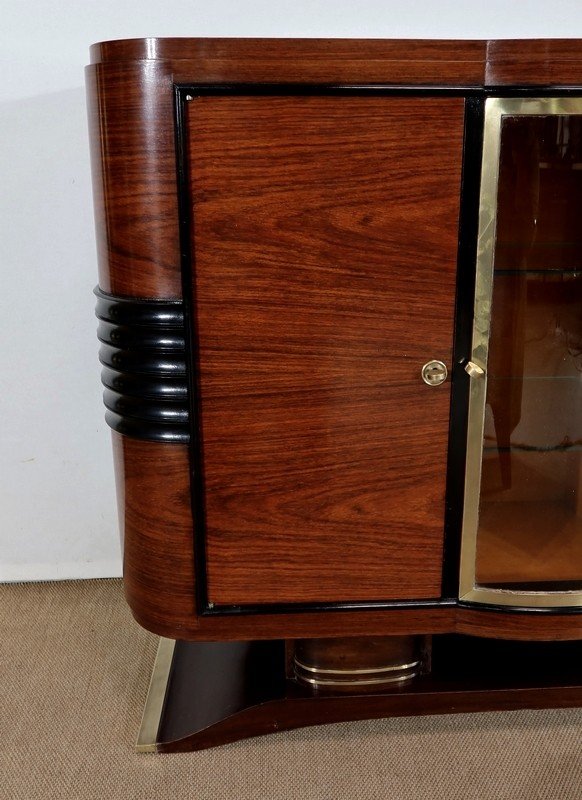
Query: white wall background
x,y
57,506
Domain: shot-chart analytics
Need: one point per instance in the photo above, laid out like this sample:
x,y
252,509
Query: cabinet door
x,y
324,246
522,538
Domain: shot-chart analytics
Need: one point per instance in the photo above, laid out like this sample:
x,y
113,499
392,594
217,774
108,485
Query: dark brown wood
x,y
131,119
397,62
156,526
317,301
134,179
130,113
538,62
513,62
541,626
155,520
158,562
220,693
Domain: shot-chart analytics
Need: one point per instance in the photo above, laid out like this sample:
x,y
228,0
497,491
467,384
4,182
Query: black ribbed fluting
x,y
143,354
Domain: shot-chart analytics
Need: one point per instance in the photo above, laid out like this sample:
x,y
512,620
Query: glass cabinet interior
x,y
522,525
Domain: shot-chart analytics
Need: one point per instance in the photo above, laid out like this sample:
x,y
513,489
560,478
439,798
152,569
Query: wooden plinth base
x,y
208,694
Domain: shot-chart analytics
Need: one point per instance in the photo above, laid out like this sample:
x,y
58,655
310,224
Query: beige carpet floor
x,y
74,670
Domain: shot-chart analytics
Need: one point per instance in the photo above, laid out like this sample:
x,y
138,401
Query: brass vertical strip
x,y
154,705
480,339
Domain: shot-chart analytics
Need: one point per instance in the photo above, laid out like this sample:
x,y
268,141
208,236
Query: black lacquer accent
x,y
166,387
188,269
127,337
125,405
143,353
130,311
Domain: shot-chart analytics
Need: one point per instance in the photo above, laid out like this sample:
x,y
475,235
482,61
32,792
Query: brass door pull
x,y
474,370
434,373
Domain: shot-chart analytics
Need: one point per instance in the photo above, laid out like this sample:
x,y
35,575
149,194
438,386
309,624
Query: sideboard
x,y
340,315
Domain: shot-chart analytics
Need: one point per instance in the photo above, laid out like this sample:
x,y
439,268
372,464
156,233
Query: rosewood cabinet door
x,y
324,235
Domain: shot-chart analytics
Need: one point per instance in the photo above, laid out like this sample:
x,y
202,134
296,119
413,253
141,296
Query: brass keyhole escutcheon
x,y
434,373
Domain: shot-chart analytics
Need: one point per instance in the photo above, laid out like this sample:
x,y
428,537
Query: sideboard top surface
x,y
462,63
183,48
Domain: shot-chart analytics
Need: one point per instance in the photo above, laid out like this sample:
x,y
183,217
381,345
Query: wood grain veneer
x,y
158,565
541,62
444,63
155,520
541,626
537,62
134,179
131,118
156,526
318,298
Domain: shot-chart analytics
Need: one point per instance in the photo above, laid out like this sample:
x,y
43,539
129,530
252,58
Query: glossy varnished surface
x,y
156,529
131,122
318,298
539,62
446,62
134,179
449,63
156,524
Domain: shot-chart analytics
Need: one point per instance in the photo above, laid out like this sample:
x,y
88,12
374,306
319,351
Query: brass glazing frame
x,y
469,591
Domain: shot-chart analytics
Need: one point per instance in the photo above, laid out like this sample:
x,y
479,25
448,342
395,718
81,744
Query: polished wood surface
x,y
158,564
324,451
220,693
538,62
524,626
398,62
155,519
513,62
155,510
131,121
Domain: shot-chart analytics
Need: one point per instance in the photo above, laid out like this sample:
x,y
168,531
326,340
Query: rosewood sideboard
x,y
340,315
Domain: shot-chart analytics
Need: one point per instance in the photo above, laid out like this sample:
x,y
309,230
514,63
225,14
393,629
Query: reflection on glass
x,y
530,515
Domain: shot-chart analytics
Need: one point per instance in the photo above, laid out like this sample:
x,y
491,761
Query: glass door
x,y
522,523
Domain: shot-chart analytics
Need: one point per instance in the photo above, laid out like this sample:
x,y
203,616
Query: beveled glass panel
x,y
525,535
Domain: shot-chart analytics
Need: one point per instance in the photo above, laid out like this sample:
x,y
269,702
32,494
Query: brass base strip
x,y
357,682
375,670
154,705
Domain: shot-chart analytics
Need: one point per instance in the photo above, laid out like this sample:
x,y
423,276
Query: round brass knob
x,y
434,373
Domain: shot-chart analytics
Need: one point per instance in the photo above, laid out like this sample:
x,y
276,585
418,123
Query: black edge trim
x,y
188,267
466,263
306,608
556,611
